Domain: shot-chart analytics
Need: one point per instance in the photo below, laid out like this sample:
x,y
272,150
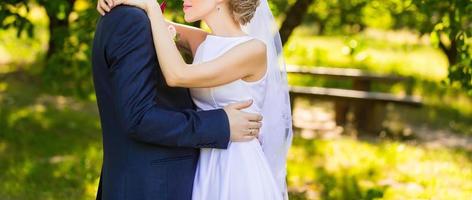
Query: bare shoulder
x,y
254,48
257,46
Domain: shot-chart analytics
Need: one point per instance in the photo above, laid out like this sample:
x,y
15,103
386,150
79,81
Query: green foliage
x,y
450,25
12,15
66,67
69,72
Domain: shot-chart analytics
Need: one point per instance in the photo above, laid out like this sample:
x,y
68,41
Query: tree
x,y
66,68
58,13
450,25
10,16
294,18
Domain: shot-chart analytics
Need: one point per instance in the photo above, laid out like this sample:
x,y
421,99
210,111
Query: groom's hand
x,y
244,126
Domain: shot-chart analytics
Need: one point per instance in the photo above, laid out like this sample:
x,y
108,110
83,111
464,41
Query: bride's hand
x,y
104,6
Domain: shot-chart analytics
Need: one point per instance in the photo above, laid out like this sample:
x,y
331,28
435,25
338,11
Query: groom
x,y
151,134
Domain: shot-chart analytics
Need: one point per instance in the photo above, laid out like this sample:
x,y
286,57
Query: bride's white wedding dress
x,y
240,172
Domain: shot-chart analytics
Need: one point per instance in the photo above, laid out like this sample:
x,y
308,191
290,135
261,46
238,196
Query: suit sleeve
x,y
133,70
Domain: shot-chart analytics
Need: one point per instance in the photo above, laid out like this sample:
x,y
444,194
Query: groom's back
x,y
133,169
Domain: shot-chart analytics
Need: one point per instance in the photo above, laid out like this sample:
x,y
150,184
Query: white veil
x,y
276,131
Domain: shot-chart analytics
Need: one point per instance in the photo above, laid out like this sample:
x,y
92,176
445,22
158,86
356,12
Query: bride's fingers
x,y
100,10
103,5
118,2
110,3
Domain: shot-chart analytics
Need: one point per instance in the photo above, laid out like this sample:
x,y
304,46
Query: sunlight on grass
x,y
3,86
3,146
347,167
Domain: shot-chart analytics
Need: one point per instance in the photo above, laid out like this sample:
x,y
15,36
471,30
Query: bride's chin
x,y
189,20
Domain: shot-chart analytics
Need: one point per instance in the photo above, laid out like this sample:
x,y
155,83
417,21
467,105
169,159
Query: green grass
x,y
50,148
346,168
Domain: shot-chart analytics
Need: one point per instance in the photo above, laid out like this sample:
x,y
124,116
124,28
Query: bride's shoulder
x,y
255,45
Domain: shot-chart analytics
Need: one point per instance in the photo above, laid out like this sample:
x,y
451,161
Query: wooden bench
x,y
368,106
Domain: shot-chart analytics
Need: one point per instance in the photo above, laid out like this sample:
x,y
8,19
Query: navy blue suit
x,y
151,132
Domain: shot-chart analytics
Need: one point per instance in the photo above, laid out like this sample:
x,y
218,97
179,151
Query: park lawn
x,y
50,148
346,168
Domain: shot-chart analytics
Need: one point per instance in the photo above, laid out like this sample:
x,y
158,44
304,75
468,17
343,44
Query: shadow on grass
x,y
50,146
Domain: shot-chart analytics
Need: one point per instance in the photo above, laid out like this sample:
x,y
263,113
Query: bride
x,y
240,59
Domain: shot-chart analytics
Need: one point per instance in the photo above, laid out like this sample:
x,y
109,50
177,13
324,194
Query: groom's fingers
x,y
253,117
240,105
252,132
254,125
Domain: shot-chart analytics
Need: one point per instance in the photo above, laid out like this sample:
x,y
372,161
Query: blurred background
x,y
407,60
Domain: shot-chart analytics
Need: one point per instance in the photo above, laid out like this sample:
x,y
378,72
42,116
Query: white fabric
x,y
276,132
241,172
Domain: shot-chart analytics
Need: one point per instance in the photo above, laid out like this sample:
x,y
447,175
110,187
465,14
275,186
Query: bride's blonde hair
x,y
243,10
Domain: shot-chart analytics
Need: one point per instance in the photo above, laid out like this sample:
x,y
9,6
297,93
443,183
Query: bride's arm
x,y
244,60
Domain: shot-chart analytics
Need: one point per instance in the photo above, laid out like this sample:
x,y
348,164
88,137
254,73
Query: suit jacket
x,y
151,132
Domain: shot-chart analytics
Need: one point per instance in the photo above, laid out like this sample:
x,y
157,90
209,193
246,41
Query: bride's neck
x,y
221,23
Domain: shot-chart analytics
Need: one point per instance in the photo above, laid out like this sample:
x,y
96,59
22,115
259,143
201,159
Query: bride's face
x,y
197,9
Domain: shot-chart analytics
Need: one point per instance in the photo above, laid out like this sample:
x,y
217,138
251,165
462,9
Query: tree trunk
x,y
451,52
294,18
58,28
58,32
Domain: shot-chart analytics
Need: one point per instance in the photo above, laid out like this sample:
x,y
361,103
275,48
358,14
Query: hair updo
x,y
243,10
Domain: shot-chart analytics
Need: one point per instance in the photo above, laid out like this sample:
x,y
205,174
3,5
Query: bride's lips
x,y
186,7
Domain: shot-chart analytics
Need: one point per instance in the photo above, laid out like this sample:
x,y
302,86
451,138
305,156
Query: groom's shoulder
x,y
126,13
